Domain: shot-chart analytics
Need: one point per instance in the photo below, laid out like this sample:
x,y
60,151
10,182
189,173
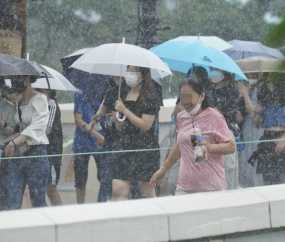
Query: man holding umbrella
x,y
86,140
108,100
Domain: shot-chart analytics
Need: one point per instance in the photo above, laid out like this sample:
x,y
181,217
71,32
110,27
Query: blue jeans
x,y
33,172
106,171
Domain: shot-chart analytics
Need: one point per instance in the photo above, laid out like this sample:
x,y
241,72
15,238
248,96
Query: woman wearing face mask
x,y
225,98
32,109
204,176
139,103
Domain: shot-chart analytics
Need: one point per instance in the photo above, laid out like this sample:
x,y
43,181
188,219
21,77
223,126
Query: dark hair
x,y
2,81
33,79
272,91
147,87
229,77
52,93
201,73
198,85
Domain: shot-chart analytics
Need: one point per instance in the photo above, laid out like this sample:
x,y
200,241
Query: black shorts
x,y
54,163
81,168
54,174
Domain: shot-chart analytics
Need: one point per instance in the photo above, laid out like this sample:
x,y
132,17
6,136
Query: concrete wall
x,y
242,215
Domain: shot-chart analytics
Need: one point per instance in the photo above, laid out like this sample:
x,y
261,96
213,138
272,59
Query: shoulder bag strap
x,y
91,103
20,111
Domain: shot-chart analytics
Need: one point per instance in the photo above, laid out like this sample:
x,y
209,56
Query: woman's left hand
x,y
207,145
9,149
120,107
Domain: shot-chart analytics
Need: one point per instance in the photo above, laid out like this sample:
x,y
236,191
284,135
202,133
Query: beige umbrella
x,y
260,64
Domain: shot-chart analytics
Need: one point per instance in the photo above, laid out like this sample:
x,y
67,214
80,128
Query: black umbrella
x,y
81,79
13,66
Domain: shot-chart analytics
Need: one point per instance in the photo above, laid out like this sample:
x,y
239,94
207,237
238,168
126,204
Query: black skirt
x,y
268,161
136,166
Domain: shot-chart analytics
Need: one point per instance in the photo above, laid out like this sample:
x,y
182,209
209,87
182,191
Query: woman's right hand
x,y
157,177
119,124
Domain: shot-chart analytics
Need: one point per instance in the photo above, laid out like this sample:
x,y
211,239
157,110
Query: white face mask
x,y
131,79
196,109
216,76
252,81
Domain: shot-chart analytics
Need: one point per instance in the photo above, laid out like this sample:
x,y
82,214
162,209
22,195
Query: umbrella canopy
x,y
113,59
260,64
81,79
58,82
180,55
13,66
79,52
213,41
245,49
68,60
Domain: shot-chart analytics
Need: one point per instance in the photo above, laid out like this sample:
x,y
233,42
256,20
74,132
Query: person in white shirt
x,y
32,118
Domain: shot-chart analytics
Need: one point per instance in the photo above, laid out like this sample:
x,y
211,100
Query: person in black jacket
x,y
225,99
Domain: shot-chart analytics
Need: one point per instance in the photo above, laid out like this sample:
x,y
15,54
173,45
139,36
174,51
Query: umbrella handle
x,y
120,119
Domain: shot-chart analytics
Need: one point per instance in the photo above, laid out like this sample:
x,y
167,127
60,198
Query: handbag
x,y
22,148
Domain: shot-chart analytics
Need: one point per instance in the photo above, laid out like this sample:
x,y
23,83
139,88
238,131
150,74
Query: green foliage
x,y
277,35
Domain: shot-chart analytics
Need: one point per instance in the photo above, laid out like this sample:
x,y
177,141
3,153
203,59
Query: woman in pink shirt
x,y
204,176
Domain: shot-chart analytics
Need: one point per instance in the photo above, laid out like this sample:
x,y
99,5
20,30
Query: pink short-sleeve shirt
x,y
205,176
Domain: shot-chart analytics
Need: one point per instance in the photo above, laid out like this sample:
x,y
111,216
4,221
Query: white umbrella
x,y
213,41
58,82
113,59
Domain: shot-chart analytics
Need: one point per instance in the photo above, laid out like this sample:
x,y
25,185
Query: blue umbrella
x,y
181,55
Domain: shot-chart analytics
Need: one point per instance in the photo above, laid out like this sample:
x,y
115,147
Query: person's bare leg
x,y
120,190
26,199
53,195
164,189
146,190
80,194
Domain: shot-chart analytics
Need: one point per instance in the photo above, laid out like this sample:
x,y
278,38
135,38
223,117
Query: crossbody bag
x,y
22,148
